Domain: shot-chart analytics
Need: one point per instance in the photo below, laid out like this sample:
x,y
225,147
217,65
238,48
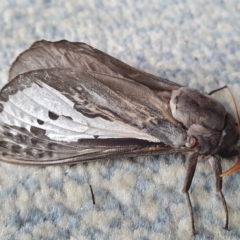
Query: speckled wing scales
x,y
67,102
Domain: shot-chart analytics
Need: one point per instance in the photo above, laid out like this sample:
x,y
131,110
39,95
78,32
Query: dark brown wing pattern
x,y
68,102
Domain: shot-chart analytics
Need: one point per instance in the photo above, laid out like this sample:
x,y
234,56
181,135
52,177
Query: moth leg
x,y
217,169
191,163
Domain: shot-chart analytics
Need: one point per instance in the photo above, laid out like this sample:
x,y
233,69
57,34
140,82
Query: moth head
x,y
236,148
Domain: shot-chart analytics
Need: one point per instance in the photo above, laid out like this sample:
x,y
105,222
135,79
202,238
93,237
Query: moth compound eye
x,y
196,143
192,142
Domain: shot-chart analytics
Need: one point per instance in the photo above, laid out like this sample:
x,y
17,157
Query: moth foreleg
x,y
191,166
217,169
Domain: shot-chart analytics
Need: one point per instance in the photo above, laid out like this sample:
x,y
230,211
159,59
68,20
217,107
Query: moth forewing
x,y
68,102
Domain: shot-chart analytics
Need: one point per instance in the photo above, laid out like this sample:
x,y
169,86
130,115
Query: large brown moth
x,y
67,103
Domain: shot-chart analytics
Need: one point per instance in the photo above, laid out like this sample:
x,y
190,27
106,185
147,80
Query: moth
x,y
67,102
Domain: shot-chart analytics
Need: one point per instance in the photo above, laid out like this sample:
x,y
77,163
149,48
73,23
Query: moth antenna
x,y
236,167
216,90
233,169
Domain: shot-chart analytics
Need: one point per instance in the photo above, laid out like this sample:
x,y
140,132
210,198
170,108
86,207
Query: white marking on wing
x,y
25,107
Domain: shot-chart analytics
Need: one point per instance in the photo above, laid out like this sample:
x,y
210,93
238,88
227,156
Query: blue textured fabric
x,y
194,43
